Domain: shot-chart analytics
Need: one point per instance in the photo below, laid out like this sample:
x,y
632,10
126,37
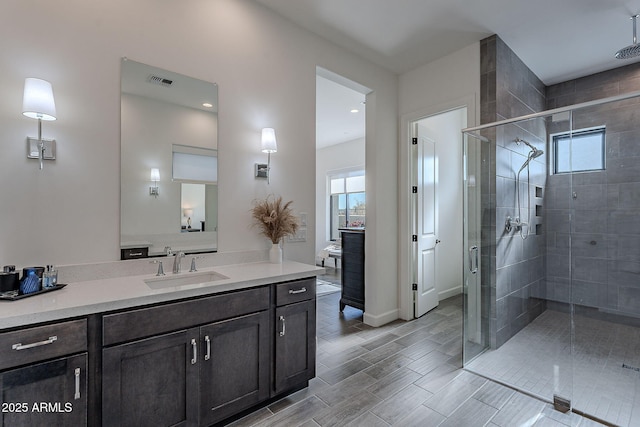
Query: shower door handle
x,y
473,269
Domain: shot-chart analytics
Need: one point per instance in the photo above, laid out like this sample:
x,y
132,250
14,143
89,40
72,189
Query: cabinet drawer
x,y
42,342
299,290
145,322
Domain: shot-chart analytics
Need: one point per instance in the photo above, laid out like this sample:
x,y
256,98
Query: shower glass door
x,y
476,286
509,334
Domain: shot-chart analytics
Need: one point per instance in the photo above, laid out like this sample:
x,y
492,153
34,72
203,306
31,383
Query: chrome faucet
x,y
176,261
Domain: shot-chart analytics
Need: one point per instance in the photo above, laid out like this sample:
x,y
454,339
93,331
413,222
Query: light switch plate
x,y
300,236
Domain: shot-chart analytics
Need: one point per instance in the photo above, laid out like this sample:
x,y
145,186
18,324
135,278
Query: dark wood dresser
x,y
352,268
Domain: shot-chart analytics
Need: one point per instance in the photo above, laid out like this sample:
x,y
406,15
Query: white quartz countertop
x,y
96,296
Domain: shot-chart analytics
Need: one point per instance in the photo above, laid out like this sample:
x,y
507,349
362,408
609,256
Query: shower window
x,y
579,151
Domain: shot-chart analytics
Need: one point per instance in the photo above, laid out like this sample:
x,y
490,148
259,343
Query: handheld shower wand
x,y
518,223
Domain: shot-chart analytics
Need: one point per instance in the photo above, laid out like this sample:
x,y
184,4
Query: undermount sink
x,y
184,279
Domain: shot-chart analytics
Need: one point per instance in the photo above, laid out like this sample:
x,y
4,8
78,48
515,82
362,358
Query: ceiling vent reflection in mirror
x,y
159,80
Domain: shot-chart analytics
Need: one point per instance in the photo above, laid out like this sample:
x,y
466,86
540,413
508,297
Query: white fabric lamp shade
x,y
38,102
155,174
269,140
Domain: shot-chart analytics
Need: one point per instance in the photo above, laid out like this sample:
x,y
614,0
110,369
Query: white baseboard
x,y
380,319
449,293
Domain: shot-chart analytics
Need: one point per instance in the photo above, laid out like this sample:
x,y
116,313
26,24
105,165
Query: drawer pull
x,y
194,347
298,291
135,253
20,346
77,374
283,328
207,340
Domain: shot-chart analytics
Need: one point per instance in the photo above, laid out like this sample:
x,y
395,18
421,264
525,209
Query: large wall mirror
x,y
169,162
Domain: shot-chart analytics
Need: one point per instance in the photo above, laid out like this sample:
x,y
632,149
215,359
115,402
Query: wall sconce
x,y
269,146
38,103
155,177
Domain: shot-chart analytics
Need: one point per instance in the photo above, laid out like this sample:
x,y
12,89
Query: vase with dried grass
x,y
275,221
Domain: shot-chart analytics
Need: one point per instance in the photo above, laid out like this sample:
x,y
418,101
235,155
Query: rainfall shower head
x,y
632,50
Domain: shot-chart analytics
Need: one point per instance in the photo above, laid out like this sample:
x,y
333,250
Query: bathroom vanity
x,y
143,350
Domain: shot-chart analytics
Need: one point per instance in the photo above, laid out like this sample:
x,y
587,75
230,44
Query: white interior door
x,y
426,221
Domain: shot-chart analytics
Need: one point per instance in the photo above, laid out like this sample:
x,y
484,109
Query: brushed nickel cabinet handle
x,y
194,347
77,374
298,291
207,340
20,346
283,326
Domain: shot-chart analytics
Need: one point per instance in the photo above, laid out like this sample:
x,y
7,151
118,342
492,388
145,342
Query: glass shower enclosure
x,y
552,260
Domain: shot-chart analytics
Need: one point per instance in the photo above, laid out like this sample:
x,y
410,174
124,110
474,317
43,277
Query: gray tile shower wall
x,y
512,266
603,250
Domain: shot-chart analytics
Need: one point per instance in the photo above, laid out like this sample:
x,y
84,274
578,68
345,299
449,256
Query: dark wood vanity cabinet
x,y
217,365
37,386
194,362
295,334
352,273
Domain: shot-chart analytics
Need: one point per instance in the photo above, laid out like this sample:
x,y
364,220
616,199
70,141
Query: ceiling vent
x,y
159,80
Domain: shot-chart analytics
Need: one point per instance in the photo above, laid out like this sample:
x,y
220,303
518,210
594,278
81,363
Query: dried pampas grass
x,y
274,219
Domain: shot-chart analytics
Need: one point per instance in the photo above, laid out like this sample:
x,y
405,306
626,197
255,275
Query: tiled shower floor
x,y
538,360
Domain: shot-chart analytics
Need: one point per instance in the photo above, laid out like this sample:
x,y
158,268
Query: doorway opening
x,y
340,171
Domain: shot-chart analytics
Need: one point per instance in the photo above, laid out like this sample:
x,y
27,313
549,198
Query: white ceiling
x,y
557,39
335,123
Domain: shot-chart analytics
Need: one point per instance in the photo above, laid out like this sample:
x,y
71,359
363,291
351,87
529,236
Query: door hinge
x,y
414,286
414,141
561,404
414,238
414,189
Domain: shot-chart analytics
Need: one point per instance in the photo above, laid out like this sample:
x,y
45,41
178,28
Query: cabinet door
x,y
295,345
51,393
152,382
234,372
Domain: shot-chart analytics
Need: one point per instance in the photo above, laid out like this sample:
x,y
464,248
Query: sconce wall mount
x,y
38,103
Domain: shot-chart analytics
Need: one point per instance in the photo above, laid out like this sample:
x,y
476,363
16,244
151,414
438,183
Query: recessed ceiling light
x,y
207,105
355,110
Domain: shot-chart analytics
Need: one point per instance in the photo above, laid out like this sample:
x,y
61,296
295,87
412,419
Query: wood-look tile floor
x,y
401,374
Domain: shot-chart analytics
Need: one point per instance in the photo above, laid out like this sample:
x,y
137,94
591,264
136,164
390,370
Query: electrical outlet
x,y
303,220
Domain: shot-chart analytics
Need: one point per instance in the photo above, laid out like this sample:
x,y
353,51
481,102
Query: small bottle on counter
x,y
54,276
50,277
